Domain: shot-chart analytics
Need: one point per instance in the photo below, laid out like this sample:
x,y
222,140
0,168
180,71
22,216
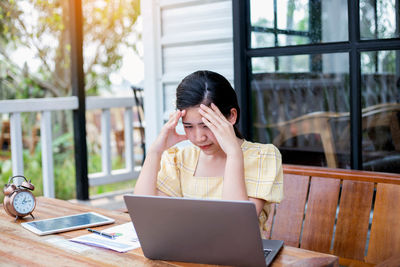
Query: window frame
x,y
243,54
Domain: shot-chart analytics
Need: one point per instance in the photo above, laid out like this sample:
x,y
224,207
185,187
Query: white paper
x,y
126,238
66,244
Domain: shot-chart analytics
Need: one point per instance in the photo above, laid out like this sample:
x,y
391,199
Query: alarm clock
x,y
18,199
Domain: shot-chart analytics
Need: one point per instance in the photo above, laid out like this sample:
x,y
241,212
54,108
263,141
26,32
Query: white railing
x,y
45,106
108,175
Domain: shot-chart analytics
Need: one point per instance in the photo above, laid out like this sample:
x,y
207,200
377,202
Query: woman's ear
x,y
233,116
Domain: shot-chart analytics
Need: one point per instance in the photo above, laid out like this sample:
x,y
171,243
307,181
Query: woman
x,y
219,164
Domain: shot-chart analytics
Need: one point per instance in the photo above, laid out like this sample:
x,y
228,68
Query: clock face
x,y
24,203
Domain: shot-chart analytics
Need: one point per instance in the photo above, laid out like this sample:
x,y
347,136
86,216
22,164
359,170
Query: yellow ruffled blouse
x,y
262,172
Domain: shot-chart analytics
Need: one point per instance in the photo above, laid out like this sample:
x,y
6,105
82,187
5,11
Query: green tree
x,y
42,28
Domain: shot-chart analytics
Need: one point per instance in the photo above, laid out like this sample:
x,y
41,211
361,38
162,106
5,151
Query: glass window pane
x,y
380,77
286,40
294,15
296,22
263,64
301,104
299,63
262,39
378,19
262,13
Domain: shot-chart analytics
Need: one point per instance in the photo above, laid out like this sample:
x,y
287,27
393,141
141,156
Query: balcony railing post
x,y
16,146
47,154
128,132
105,141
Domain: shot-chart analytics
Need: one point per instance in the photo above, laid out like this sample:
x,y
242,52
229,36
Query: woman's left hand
x,y
221,127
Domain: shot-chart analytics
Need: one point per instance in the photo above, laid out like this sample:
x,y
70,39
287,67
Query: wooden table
x,y
20,247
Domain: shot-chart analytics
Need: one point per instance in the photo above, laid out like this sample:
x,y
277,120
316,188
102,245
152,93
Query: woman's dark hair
x,y
206,87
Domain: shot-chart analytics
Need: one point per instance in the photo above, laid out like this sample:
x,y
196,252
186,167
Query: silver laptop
x,y
200,231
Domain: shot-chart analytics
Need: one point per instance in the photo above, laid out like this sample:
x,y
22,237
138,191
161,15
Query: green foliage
x,y
42,27
64,169
8,32
94,165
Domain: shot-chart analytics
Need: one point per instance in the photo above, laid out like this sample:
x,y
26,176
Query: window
x,y
321,80
289,22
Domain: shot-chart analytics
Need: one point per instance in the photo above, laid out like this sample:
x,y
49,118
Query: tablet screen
x,y
66,223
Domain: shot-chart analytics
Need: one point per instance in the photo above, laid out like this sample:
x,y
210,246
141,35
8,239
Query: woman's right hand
x,y
168,135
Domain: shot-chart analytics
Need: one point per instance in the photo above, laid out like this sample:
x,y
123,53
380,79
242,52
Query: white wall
x,y
180,37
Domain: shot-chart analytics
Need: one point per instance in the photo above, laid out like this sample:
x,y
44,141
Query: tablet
x,y
67,223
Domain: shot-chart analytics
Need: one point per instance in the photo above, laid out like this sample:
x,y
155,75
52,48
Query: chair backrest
x,y
352,214
5,137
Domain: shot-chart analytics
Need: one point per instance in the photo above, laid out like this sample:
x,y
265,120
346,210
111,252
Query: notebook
x,y
200,231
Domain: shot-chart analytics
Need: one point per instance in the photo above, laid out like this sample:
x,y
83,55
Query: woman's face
x,y
198,133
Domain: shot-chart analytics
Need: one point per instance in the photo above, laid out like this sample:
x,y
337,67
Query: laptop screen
x,y
194,230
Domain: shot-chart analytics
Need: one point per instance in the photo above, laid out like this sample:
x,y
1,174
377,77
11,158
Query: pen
x,y
100,233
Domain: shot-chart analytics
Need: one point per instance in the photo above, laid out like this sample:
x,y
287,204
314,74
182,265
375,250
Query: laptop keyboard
x,y
266,253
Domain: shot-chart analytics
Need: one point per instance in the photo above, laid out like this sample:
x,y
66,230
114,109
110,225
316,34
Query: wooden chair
x,y
119,135
312,123
93,129
328,210
384,115
321,123
34,140
5,137
139,123
393,261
